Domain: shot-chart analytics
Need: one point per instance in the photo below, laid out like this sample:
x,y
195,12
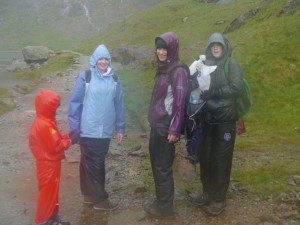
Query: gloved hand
x,y
206,95
74,136
210,94
65,136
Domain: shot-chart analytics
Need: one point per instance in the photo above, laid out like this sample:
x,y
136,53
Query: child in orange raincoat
x,y
48,145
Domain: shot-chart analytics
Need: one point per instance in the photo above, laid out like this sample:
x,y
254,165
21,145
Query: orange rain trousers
x,y
48,174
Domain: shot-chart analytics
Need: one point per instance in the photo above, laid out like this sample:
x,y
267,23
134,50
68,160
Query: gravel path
x,y
18,185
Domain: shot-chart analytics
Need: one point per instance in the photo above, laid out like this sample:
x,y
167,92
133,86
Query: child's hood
x,y
46,103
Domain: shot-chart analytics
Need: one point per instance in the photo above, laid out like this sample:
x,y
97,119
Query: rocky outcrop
x,y
240,21
37,54
290,7
133,55
215,1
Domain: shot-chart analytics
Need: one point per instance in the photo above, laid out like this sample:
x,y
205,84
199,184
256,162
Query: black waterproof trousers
x,y
92,168
162,156
217,144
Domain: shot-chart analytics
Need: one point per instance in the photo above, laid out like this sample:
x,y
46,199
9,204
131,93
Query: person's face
x,y
162,54
102,65
216,50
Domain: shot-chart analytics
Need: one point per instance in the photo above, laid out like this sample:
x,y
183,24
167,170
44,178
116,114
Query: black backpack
x,y
189,119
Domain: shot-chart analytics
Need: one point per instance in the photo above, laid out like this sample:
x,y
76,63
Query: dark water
x,y
7,79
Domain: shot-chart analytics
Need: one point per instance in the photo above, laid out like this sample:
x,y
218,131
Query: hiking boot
x,y
106,205
56,220
87,200
154,211
215,208
60,223
201,200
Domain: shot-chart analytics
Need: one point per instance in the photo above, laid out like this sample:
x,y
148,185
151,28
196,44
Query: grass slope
x,y
267,47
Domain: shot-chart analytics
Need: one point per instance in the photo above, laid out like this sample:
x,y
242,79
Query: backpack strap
x,y
87,76
179,64
116,79
88,80
226,67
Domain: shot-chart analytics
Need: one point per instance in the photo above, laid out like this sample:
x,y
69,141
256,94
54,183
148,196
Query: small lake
x,y
7,79
7,56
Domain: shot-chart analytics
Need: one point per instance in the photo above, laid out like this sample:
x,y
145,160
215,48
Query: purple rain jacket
x,y
167,106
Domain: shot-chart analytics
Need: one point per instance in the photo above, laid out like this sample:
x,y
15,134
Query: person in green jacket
x,y
218,135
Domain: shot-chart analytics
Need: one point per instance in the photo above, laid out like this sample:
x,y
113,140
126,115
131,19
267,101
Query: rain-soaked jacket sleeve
x,y
53,141
75,106
120,110
180,88
235,84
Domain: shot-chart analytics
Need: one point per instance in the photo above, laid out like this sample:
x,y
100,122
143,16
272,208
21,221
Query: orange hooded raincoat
x,y
47,145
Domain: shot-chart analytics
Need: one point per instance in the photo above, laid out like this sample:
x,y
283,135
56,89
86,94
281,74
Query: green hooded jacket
x,y
221,109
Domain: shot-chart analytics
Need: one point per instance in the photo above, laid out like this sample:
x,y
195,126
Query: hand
x,y
66,143
74,136
206,95
119,137
65,136
172,138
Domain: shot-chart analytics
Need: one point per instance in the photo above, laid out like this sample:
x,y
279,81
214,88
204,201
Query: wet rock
x,y
290,7
185,19
139,190
294,180
114,152
240,21
235,186
37,54
132,54
139,153
136,148
143,135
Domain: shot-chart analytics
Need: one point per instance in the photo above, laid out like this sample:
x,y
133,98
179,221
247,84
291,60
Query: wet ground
x,y
18,184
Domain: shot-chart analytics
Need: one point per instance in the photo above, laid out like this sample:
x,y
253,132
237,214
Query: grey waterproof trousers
x,y
162,156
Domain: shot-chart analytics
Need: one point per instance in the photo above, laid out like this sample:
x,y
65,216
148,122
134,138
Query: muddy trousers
x,y
92,168
48,174
217,144
162,156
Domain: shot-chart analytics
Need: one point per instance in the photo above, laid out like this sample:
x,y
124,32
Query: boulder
x,y
37,54
132,54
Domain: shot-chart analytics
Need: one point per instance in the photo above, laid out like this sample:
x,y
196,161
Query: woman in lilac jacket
x,y
166,115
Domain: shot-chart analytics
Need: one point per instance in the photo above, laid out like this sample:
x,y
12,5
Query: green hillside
x,y
267,47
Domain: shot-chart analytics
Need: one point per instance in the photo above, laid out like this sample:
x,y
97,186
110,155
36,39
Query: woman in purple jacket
x,y
166,115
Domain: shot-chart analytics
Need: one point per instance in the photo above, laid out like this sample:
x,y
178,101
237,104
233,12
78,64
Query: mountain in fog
x,y
59,24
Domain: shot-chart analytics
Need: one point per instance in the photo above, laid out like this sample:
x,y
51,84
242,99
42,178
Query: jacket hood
x,y
218,38
172,42
46,104
100,52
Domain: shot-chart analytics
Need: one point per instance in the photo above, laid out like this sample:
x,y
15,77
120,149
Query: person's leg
x,y
205,144
205,157
162,155
222,154
92,168
48,173
222,159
